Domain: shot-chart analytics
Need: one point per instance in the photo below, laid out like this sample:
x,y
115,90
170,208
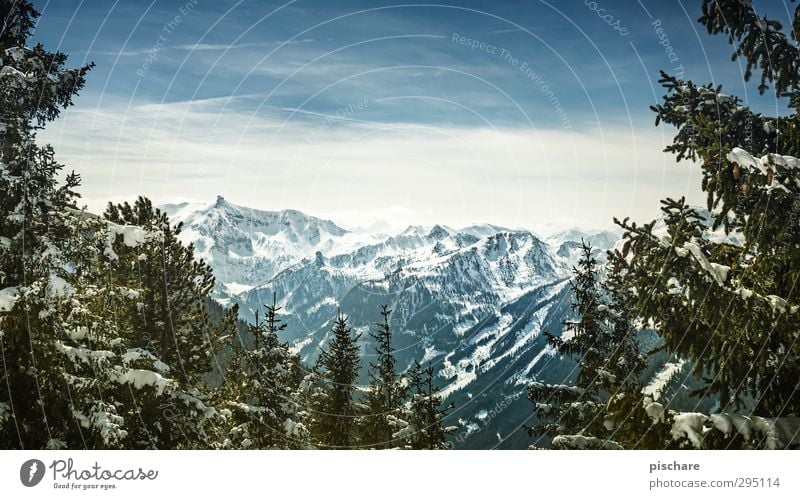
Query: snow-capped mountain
x,y
472,301
567,243
247,247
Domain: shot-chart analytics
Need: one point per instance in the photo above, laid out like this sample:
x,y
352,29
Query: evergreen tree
x,y
171,318
309,397
385,394
565,411
603,341
78,373
626,417
335,411
725,296
39,223
259,389
168,320
423,426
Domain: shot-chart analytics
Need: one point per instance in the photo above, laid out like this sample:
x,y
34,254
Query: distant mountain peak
x,y
439,232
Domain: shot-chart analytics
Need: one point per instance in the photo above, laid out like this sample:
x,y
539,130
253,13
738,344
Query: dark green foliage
x,y
761,42
399,410
37,228
566,410
602,341
385,392
335,413
425,420
738,329
49,86
587,335
727,302
170,317
259,389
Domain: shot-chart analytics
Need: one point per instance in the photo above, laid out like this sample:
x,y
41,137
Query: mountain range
x,y
473,301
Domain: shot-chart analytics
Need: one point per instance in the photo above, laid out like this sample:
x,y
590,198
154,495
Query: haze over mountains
x,y
472,301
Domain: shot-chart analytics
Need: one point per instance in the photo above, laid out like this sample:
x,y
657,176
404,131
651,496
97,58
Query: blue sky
x,y
526,113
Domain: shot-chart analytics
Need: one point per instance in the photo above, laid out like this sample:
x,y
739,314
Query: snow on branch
x,y
757,432
104,419
767,165
8,297
132,236
584,442
717,272
767,433
573,390
662,378
83,355
140,378
744,158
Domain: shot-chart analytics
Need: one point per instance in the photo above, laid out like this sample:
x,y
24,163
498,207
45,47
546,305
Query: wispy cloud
x,y
455,175
199,47
232,46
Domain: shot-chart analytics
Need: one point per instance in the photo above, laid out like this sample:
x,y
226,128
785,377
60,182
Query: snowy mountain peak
x,y
484,230
439,232
601,239
225,214
249,249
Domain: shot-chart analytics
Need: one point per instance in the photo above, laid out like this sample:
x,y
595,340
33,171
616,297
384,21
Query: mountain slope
x,y
473,302
247,247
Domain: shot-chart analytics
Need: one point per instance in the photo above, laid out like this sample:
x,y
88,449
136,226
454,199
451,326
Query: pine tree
x,y
335,412
423,426
603,341
725,296
41,319
78,373
172,318
565,411
168,320
587,335
259,389
385,394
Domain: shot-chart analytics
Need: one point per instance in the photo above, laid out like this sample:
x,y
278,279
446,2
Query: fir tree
x,y
603,341
728,302
423,426
80,376
587,336
259,389
565,411
168,320
335,413
39,222
171,318
385,394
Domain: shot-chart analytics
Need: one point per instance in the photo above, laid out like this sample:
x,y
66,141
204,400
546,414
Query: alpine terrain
x,y
472,302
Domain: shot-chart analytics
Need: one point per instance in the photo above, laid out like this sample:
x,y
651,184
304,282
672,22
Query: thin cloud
x,y
445,174
197,47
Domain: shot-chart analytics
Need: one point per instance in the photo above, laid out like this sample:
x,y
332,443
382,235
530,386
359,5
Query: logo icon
x,y
31,472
